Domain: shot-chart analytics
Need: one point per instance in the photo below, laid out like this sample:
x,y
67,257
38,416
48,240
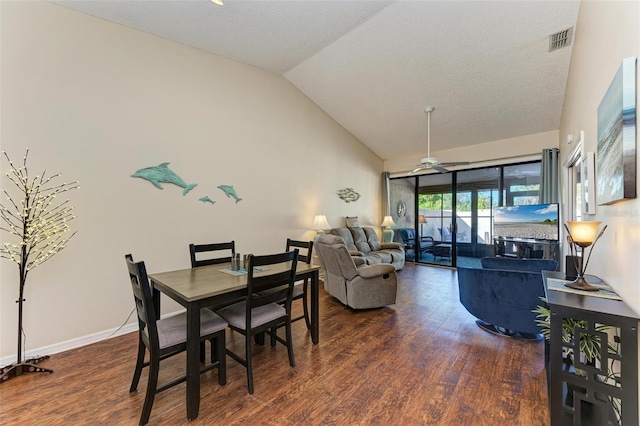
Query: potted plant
x,y
589,344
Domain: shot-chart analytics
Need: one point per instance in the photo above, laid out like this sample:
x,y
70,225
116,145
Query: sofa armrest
x,y
391,245
355,253
359,261
376,270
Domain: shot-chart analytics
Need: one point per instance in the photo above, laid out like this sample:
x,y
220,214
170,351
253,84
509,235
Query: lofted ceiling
x,y
374,65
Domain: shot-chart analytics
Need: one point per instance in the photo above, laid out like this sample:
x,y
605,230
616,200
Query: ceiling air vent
x,y
560,39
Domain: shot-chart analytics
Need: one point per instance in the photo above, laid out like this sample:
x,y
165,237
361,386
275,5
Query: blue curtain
x,y
549,176
385,195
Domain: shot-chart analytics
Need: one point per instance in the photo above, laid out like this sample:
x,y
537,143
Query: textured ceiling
x,y
374,65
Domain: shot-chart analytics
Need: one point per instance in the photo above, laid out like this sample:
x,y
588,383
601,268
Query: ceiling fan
x,y
430,162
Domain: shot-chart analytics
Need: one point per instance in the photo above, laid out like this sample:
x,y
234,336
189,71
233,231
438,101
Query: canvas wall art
x,y
616,159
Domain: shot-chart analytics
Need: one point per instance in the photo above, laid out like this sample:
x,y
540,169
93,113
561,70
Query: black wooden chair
x,y
260,312
197,261
300,291
206,248
164,338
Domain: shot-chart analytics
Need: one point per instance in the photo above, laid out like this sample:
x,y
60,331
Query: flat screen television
x,y
536,221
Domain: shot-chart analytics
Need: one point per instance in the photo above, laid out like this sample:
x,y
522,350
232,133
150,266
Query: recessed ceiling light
x,y
218,2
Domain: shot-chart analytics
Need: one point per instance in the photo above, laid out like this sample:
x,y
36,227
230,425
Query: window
x,y
573,177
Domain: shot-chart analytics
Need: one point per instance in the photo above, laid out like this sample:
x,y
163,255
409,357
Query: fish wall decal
x,y
162,174
206,199
348,195
228,189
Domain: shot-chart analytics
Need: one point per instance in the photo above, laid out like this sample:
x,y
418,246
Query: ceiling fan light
x,y
429,160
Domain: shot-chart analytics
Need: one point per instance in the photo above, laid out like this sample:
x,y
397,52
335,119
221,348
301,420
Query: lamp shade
x,y
388,221
422,218
583,233
320,222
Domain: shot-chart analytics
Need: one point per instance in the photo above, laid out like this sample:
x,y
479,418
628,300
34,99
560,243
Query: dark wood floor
x,y
422,361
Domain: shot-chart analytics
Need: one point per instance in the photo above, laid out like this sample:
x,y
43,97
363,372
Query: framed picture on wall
x,y
616,165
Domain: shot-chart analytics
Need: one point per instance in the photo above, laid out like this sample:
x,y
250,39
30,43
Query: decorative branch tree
x,y
40,225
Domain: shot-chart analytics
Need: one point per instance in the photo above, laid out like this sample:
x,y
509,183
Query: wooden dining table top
x,y
203,282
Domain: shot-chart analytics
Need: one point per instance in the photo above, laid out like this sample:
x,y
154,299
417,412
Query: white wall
x,y
521,148
97,101
606,33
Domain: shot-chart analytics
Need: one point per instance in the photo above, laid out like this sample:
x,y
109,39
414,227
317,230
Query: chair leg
x,y
304,304
139,365
249,363
221,354
274,330
152,384
292,361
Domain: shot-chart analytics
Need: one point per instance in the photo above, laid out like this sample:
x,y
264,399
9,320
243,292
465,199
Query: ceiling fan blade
x,y
439,168
455,163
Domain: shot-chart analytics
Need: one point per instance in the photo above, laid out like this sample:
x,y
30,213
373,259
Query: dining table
x,y
197,288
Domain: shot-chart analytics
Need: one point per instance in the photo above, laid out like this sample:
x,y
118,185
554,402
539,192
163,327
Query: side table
x,y
591,393
442,250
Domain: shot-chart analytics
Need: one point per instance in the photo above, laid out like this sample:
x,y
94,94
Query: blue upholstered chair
x,y
408,237
503,294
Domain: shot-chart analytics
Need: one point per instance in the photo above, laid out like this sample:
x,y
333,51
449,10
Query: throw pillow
x,y
352,222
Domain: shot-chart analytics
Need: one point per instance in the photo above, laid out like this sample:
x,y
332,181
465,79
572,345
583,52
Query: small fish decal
x,y
162,174
206,199
227,189
348,195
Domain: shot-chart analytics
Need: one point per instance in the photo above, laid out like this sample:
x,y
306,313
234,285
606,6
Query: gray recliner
x,y
359,287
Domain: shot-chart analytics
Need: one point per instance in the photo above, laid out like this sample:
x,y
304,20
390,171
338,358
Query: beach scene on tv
x,y
539,221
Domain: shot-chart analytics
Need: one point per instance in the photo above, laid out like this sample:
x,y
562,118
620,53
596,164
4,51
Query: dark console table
x,y
604,392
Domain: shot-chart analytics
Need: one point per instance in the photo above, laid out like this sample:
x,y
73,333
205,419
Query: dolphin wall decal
x,y
228,189
162,174
206,199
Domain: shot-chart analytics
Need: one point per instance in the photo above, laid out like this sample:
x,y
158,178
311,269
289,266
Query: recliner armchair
x,y
363,287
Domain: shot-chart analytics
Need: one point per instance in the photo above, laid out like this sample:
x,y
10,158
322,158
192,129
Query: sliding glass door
x,y
447,218
478,191
436,206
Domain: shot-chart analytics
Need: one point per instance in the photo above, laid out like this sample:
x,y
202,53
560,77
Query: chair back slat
x,y
305,256
202,248
282,279
143,299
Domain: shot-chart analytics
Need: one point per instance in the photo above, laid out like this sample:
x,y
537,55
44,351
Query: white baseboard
x,y
76,343
71,344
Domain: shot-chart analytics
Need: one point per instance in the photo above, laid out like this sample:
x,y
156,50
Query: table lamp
x,y
320,224
583,235
387,233
421,220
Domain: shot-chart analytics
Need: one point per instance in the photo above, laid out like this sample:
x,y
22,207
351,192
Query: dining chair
x,y
166,337
194,249
300,290
260,312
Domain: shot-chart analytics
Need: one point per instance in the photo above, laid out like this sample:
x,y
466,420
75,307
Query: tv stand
x,y
522,248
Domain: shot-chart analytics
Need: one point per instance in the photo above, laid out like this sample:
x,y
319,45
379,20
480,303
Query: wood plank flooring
x,y
422,361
